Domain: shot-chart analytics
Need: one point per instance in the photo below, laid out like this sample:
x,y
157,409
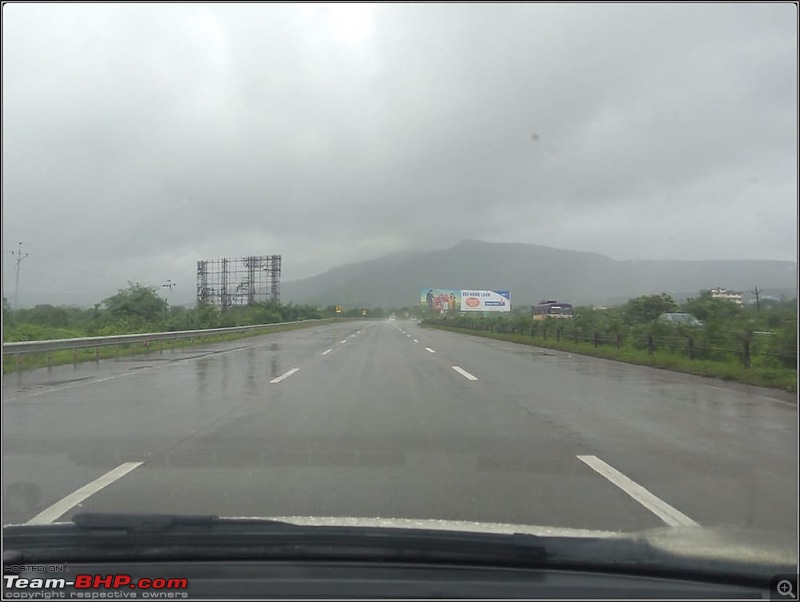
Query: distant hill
x,y
531,273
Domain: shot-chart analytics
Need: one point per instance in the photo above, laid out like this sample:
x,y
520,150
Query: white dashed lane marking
x,y
464,373
282,376
657,506
50,514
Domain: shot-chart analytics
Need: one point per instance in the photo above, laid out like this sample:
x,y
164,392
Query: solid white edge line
x,y
781,401
327,351
786,403
287,374
464,373
670,515
429,349
50,514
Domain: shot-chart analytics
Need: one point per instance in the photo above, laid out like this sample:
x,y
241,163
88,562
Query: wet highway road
x,y
389,419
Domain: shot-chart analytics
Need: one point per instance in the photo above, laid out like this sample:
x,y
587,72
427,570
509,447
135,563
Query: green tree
x,y
8,313
137,303
710,309
647,308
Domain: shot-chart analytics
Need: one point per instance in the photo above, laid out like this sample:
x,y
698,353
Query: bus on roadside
x,y
552,309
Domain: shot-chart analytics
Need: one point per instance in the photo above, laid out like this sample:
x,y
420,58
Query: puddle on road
x,y
539,354
66,381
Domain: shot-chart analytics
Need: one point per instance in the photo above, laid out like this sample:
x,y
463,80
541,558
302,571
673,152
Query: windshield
x,y
288,260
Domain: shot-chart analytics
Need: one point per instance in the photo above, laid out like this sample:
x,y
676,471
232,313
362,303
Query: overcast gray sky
x,y
140,138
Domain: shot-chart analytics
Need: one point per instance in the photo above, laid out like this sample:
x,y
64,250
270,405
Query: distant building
x,y
727,295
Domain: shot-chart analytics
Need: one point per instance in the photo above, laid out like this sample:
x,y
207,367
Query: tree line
x,y
767,333
138,308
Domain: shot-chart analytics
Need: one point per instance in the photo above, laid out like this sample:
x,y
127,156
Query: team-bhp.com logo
x,y
94,586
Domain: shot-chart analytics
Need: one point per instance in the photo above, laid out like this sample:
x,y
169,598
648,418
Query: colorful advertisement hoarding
x,y
448,299
472,300
440,299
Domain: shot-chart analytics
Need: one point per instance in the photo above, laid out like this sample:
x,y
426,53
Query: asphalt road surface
x,y
389,419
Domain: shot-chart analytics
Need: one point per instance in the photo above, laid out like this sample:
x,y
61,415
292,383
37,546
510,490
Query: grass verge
x,y
30,361
762,376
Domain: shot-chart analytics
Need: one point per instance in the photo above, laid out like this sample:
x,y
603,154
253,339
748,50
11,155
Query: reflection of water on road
x,y
250,377
274,364
201,367
277,458
225,373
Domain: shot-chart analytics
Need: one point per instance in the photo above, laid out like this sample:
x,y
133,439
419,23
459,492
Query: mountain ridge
x,y
531,272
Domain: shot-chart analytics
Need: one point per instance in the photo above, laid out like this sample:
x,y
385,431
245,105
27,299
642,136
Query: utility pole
x,y
170,285
757,293
20,257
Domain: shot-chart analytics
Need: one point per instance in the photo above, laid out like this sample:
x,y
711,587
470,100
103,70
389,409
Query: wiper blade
x,y
131,522
140,523
159,536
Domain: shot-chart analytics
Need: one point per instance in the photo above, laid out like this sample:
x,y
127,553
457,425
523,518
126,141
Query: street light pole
x,y
170,285
20,257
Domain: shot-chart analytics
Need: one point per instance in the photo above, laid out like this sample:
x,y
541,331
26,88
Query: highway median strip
x,y
33,360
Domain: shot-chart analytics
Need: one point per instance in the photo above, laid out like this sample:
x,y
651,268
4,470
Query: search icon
x,y
784,588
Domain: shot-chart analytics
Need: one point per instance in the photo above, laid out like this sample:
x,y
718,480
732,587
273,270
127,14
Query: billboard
x,y
472,300
448,299
440,299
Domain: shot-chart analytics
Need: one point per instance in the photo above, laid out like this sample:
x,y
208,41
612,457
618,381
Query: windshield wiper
x,y
163,537
130,536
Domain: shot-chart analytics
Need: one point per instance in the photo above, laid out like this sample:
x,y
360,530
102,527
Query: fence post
x,y
75,356
558,334
596,342
691,347
650,344
619,340
575,335
49,358
19,361
746,353
531,331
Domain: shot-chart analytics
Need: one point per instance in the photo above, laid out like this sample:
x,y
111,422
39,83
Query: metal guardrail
x,y
23,347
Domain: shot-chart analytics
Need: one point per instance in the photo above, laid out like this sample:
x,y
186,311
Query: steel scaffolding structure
x,y
239,281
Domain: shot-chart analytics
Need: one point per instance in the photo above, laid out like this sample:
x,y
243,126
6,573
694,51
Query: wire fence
x,y
747,348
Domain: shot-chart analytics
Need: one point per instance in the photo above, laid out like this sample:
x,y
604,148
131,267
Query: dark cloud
x,y
140,138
